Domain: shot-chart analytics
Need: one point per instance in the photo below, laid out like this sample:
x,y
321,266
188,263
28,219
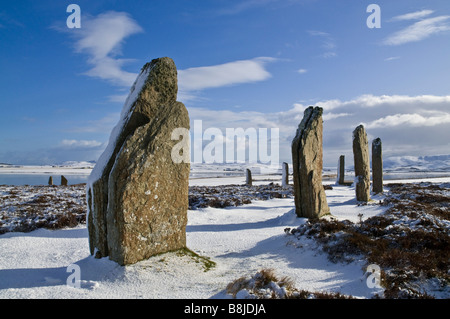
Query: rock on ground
x,y
137,196
362,164
307,162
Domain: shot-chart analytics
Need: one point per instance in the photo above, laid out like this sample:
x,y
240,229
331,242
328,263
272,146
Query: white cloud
x,y
407,125
412,120
419,31
101,37
80,144
405,101
301,71
236,72
110,69
392,58
413,15
332,116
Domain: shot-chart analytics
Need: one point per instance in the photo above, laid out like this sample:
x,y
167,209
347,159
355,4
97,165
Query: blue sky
x,y
250,63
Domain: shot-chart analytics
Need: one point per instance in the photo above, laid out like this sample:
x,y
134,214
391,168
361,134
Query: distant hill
x,y
418,163
77,164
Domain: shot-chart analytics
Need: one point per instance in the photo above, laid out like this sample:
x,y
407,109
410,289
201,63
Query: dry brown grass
x,y
26,208
235,195
265,284
410,241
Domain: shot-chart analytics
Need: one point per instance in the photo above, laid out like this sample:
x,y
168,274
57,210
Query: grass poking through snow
x,y
410,241
265,284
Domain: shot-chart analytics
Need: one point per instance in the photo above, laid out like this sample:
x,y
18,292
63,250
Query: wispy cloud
x,y
7,21
392,58
231,73
242,6
75,144
419,30
413,15
328,43
101,38
301,71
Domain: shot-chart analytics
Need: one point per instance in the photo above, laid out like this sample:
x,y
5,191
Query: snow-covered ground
x,y
240,241
405,167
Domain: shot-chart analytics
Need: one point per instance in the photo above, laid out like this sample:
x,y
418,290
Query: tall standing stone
x,y
137,196
341,170
377,166
50,180
248,177
63,181
307,164
285,175
362,164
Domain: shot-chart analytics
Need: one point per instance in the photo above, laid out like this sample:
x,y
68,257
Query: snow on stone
x,y
124,117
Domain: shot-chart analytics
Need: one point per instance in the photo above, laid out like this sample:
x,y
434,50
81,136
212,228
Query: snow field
x,y
240,240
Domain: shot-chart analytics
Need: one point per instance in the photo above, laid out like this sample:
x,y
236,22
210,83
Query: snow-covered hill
x,y
418,163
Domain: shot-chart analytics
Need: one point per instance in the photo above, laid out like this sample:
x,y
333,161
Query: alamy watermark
x,y
237,145
374,278
74,19
74,279
374,19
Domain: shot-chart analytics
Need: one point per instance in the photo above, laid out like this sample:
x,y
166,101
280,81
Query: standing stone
x,y
63,181
285,175
248,177
137,195
377,166
362,165
341,170
307,164
50,180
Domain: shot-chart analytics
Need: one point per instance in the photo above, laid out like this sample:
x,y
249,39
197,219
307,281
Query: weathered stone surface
x,y
341,170
362,164
285,174
50,180
63,181
248,177
137,196
377,166
307,164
